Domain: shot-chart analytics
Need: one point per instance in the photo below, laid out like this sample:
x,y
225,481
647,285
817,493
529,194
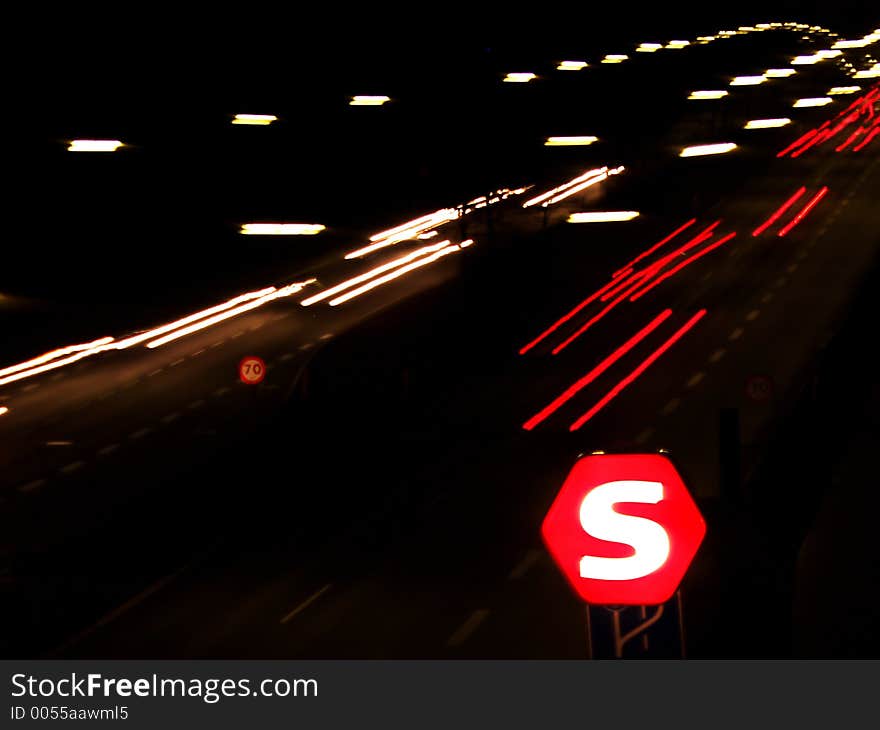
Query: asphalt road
x,y
377,495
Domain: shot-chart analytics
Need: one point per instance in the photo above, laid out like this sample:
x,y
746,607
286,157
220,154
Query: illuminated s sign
x,y
648,539
623,529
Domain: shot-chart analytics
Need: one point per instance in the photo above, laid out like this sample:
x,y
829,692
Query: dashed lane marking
x,y
140,433
306,603
753,315
32,486
695,379
196,404
644,435
108,449
177,362
671,406
522,567
464,631
717,355
736,334
170,417
72,467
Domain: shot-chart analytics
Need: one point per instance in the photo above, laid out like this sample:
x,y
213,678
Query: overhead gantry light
x,y
615,58
806,60
520,77
94,145
367,100
257,120
578,141
677,44
572,65
708,94
707,149
748,80
836,90
779,73
818,101
649,47
767,123
281,229
606,216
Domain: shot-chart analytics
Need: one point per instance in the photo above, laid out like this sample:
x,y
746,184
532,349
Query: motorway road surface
x,y
400,520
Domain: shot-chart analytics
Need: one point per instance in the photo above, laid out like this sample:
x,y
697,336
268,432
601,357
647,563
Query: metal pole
x,y
589,633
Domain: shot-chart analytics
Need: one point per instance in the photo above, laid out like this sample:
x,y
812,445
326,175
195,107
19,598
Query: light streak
x,y
629,379
583,382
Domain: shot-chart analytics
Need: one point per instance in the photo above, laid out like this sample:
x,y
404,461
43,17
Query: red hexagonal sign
x,y
623,529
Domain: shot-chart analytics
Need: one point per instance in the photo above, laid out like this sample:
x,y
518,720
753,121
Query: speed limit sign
x,y
759,388
252,370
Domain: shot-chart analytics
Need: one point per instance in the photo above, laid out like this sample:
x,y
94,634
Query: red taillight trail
x,y
779,211
579,385
811,203
646,363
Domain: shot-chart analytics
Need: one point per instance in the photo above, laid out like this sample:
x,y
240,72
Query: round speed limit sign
x,y
252,370
759,388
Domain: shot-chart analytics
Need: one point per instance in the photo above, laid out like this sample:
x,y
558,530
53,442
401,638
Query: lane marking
x,y
216,344
306,603
468,627
59,443
57,376
645,435
522,567
177,362
717,355
767,297
753,315
155,372
72,467
108,449
196,404
780,282
707,276
237,335
140,433
31,486
223,390
695,379
791,268
29,388
198,352
736,334
305,346
287,356
671,406
170,417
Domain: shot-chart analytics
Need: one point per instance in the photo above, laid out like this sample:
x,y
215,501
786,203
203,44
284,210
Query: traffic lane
x,y
536,518
78,406
51,521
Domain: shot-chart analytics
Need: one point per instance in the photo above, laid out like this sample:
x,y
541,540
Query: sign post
x,y
623,530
